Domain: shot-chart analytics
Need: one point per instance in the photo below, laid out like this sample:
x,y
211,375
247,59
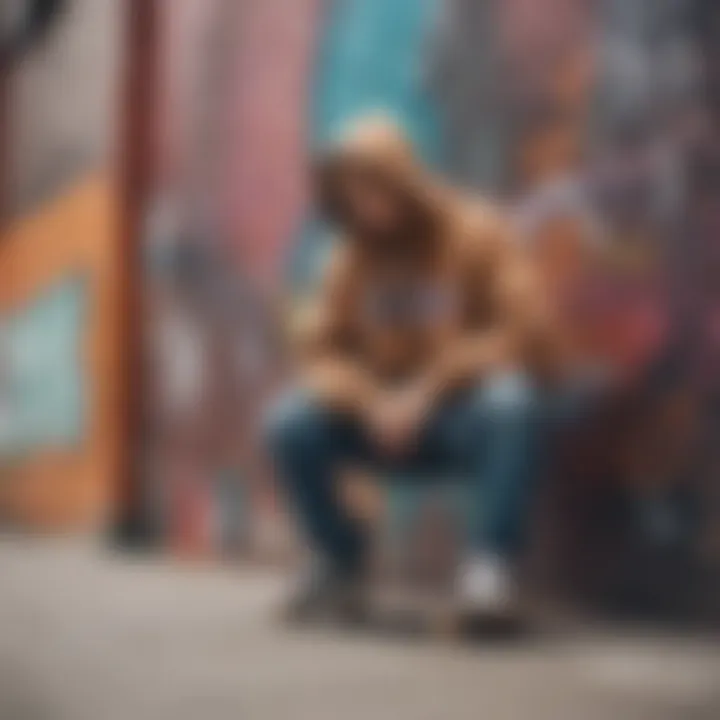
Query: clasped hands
x,y
394,417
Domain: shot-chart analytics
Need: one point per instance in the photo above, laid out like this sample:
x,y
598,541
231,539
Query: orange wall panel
x,y
69,488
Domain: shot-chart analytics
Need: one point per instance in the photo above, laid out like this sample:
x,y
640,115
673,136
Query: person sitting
x,y
429,348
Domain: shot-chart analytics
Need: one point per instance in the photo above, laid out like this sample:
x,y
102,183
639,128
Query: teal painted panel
x,y
370,59
42,393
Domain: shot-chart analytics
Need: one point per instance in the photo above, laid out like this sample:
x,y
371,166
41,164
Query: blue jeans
x,y
491,434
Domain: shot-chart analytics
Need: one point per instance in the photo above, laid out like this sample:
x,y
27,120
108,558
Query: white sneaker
x,y
486,586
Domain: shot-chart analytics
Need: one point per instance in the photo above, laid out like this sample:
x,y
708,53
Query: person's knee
x,y
286,423
292,425
508,396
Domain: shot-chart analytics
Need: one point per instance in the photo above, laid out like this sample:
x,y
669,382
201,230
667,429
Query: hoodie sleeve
x,y
521,306
326,345
325,323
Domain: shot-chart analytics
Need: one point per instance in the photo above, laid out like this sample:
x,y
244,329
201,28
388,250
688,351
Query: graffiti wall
x,y
561,109
59,354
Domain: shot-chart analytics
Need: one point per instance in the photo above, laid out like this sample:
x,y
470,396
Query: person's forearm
x,y
341,384
469,359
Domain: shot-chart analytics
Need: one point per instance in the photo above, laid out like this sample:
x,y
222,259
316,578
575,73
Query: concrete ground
x,y
85,635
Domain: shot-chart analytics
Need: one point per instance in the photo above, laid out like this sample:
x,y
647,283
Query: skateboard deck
x,y
413,615
418,533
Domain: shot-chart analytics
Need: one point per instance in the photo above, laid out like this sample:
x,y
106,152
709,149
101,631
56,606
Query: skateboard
x,y
418,536
410,614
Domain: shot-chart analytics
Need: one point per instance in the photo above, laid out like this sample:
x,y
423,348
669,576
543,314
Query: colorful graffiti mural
x,y
42,371
556,107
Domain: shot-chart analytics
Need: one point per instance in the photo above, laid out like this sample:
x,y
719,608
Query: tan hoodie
x,y
444,300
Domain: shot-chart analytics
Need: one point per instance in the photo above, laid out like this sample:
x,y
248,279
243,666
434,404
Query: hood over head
x,y
376,150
